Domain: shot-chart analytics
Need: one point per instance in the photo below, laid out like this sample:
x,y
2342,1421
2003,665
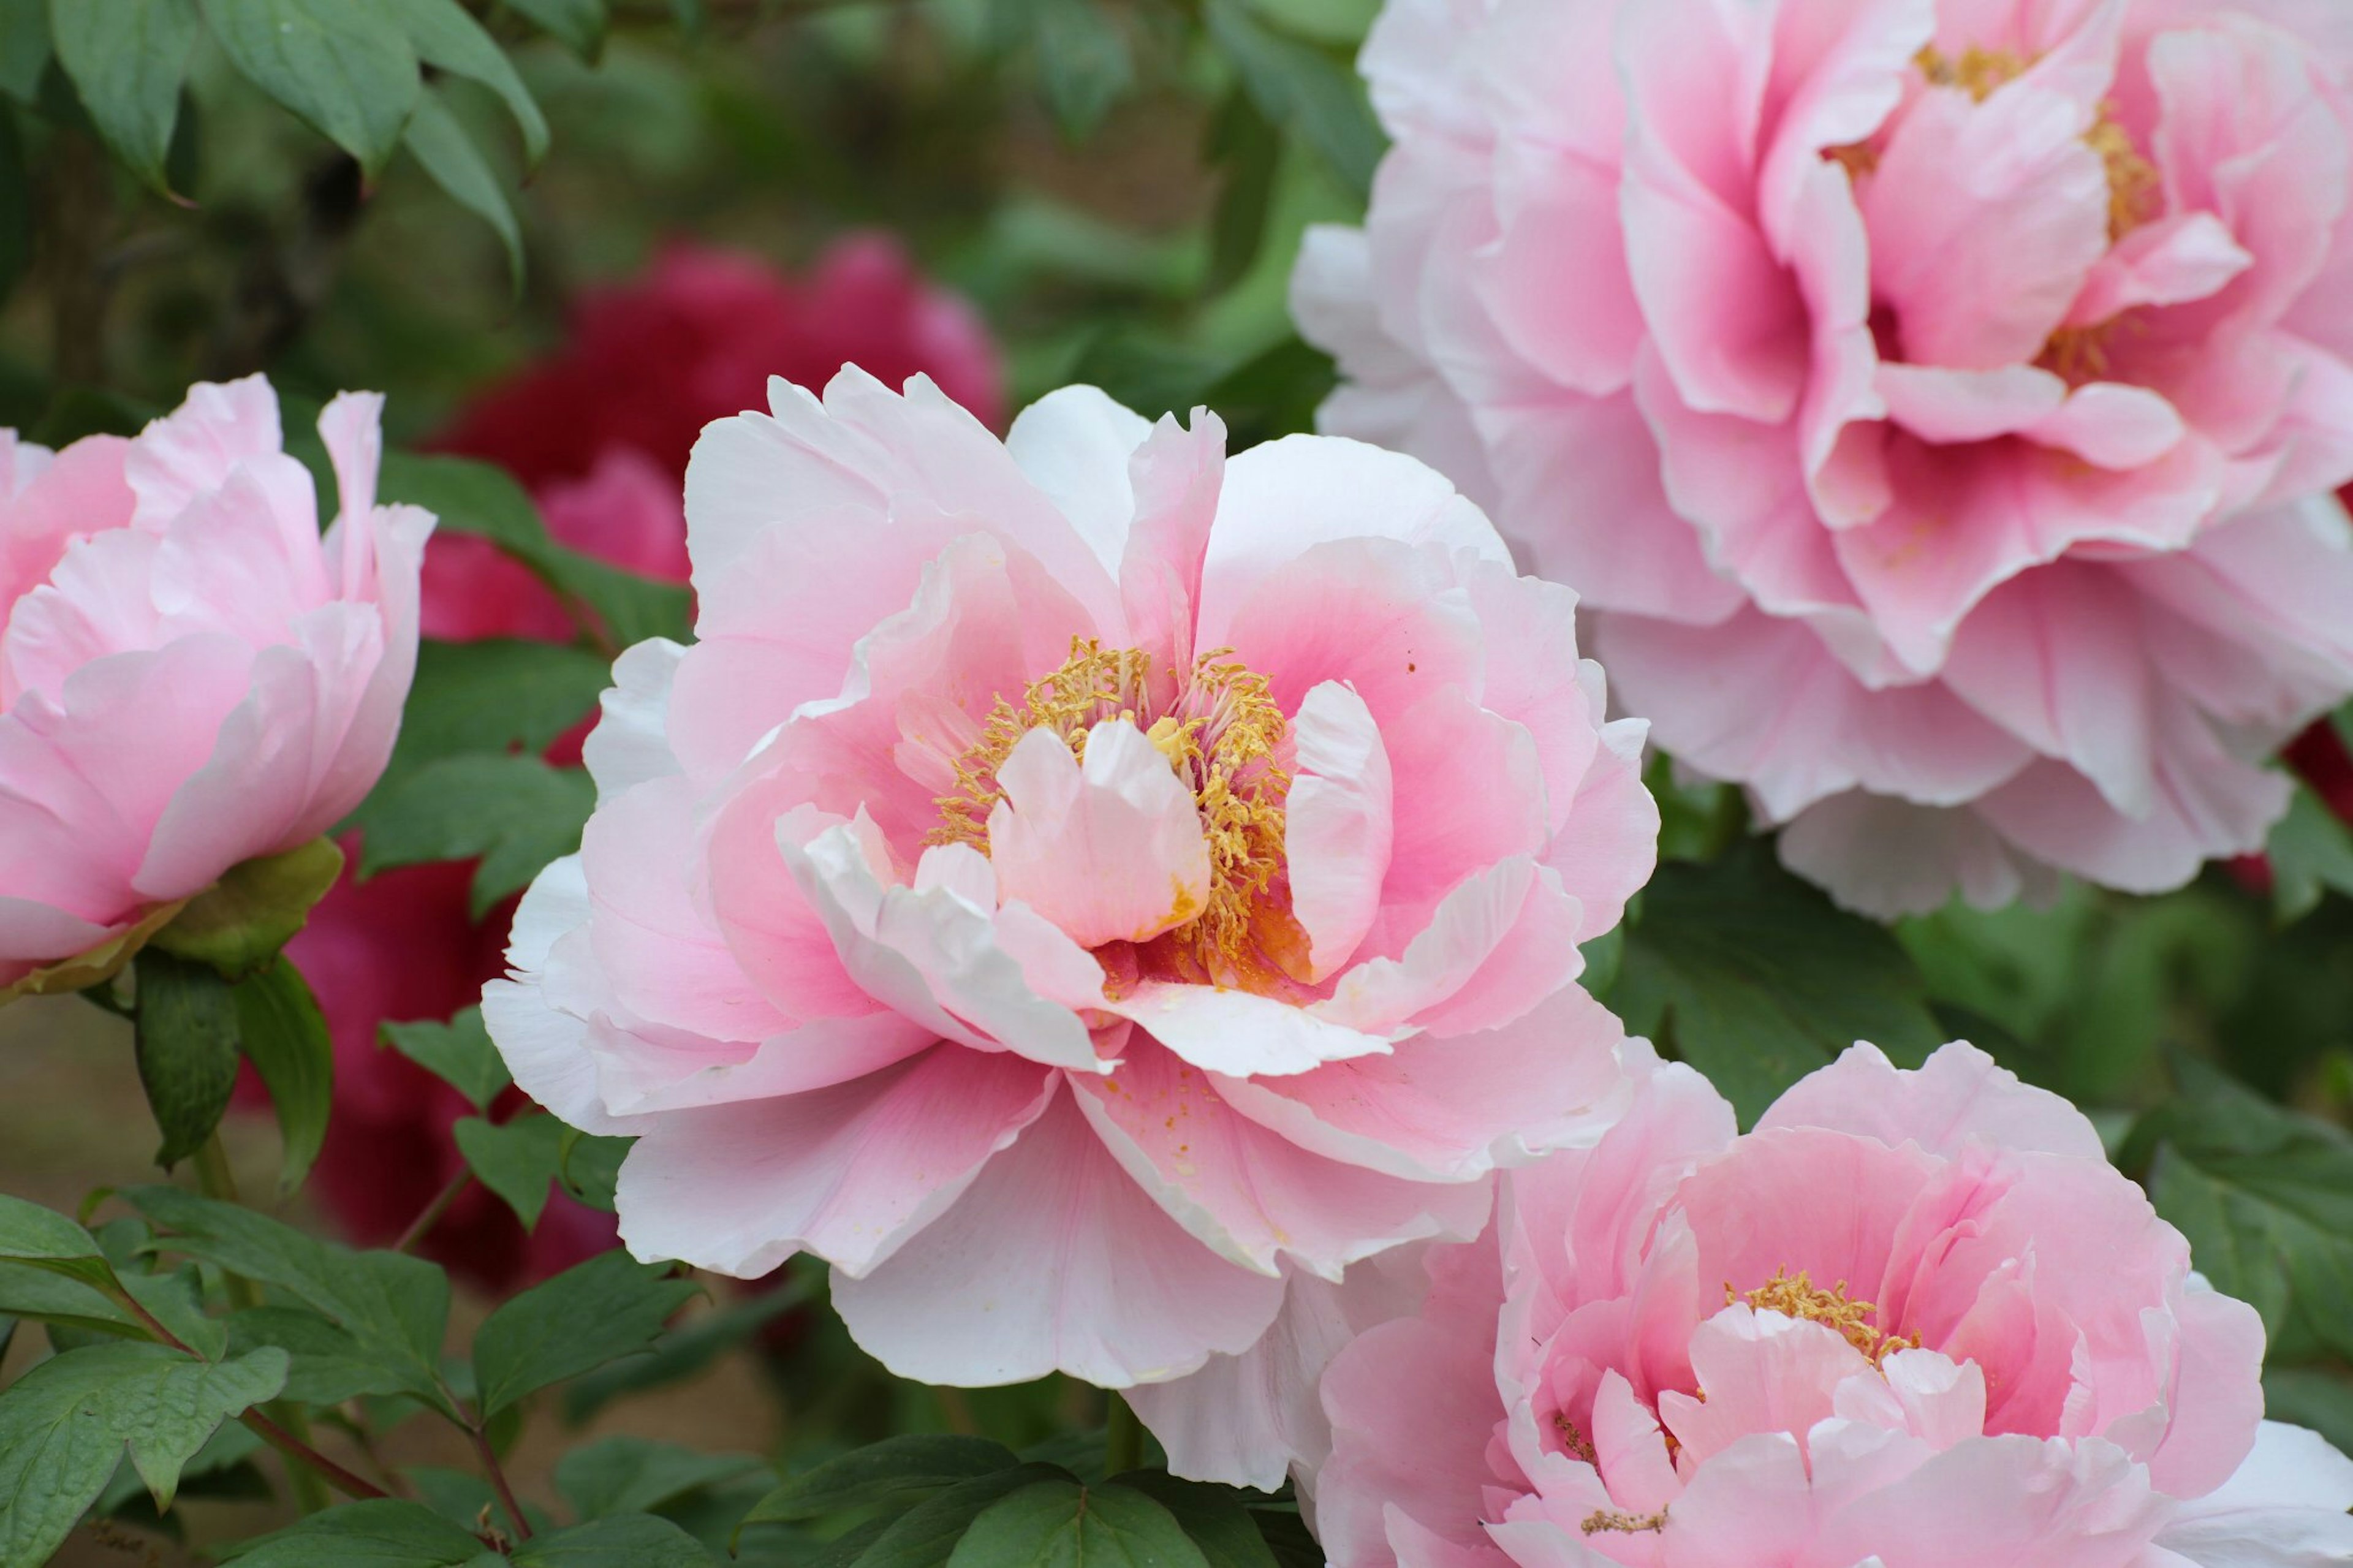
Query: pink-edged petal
x,y
1470,791
1247,1192
192,451
1246,1420
1452,1109
1500,941
544,1045
55,499
2216,1402
1075,445
2177,259
772,932
1054,1260
1240,1033
1337,825
1959,1095
1177,476
1608,848
848,1172
1109,850
797,1059
630,744
1762,1373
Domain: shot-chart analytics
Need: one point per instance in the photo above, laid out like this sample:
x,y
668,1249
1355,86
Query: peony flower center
x,y
1796,1296
2132,179
1221,731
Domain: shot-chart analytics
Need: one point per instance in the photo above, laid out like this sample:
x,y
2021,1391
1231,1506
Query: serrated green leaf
x,y
1216,1518
458,1053
1306,89
894,1471
346,70
186,1045
240,923
610,1307
680,1353
1059,1524
25,48
383,1533
327,1365
518,1160
284,1035
127,60
515,812
578,25
495,695
444,150
395,1308
46,1239
623,1475
632,1540
445,37
2310,851
65,1424
1755,979
50,1297
590,1167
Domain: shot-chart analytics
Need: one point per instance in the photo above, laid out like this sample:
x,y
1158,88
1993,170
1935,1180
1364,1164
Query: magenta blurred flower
x,y
1916,1319
1938,399
1072,883
191,675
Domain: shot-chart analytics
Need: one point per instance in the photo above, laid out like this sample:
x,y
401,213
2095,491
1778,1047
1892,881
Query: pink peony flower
x,y
190,674
1915,1320
1939,400
1073,882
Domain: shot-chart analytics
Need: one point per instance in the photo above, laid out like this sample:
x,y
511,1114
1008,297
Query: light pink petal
x,y
1240,1033
1958,1095
1109,850
1177,476
1412,1404
1075,444
1054,1260
1886,857
2186,257
52,500
2216,1404
1762,1372
848,1172
1250,1194
2286,1504
1469,790
1608,848
1337,823
630,744
1455,1108
545,1047
192,451
770,928
2009,1499
1500,941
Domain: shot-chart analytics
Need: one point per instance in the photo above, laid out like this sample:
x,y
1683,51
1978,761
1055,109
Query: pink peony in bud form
x,y
1915,1320
1075,882
191,674
1937,401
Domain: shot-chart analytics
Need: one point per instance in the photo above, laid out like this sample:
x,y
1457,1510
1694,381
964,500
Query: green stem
x,y
422,1225
498,1479
1123,1438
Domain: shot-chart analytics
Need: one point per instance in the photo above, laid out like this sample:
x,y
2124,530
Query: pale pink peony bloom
x,y
191,675
1915,1320
1072,882
1938,400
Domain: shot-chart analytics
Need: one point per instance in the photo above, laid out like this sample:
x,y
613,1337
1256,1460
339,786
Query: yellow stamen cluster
x,y
2132,179
1223,746
1616,1523
1572,1441
1796,1296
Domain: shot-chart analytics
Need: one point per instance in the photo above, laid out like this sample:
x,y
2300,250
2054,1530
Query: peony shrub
x,y
1072,884
1938,404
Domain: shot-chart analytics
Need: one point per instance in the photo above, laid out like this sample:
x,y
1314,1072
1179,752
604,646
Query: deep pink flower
x,y
1070,883
1938,399
1915,1320
191,675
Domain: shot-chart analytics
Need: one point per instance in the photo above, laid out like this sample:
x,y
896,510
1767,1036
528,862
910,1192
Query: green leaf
x,y
636,1541
2309,851
327,1365
1216,1518
346,70
484,500
395,1308
610,1307
385,1533
284,1035
240,923
1247,148
494,696
590,1167
23,48
2308,1397
458,1053
65,1424
893,1470
635,1474
518,1160
1755,979
1059,1524
127,60
1083,61
28,1291
515,812
680,1353
15,201
446,151
47,1240
925,1535
447,37
2266,1197
1310,93
186,1045
578,25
